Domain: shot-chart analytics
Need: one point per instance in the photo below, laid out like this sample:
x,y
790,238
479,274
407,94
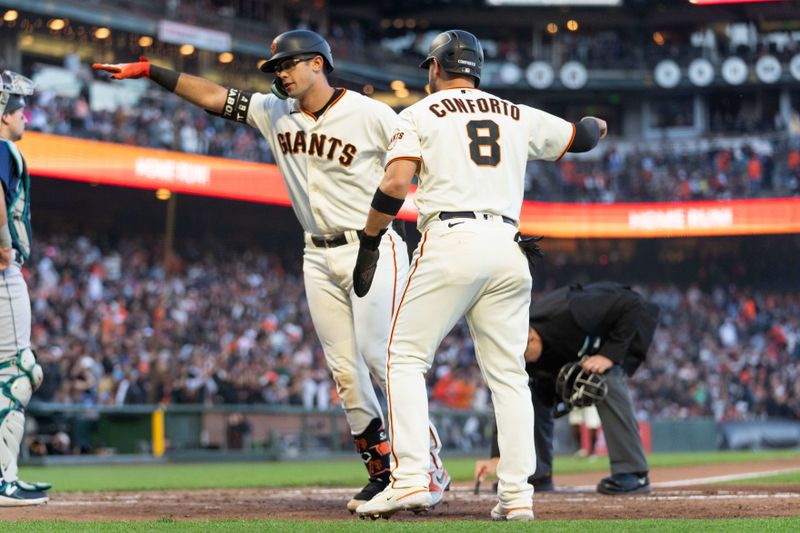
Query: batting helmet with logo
x,y
298,42
457,51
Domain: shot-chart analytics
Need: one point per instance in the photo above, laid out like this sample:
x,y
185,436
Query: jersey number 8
x,y
483,147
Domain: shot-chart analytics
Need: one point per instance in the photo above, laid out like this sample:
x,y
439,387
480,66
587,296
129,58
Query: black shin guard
x,y
373,447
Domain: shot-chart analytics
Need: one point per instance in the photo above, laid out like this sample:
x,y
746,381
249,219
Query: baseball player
x,y
20,375
580,417
329,144
469,149
609,328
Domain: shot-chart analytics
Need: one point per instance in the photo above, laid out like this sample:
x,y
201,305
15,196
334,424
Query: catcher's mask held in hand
x,y
14,85
576,387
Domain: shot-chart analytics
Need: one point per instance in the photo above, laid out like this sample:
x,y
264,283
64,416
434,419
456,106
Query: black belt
x,y
18,257
446,215
329,242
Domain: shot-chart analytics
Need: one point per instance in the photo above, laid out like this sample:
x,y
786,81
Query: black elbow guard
x,y
587,134
237,104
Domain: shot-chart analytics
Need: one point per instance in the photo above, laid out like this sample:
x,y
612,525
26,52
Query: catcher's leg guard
x,y
19,377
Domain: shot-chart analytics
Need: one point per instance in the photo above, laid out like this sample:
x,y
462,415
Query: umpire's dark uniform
x,y
604,318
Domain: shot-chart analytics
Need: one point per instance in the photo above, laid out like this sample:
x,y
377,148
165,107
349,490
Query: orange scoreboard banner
x,y
128,166
54,156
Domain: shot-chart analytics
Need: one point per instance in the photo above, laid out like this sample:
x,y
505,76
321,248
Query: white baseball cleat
x,y
440,482
517,514
388,502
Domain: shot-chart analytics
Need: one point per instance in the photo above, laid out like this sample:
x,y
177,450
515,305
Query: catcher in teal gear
x,y
19,373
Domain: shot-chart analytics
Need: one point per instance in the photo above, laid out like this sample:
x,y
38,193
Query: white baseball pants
x,y
354,331
468,267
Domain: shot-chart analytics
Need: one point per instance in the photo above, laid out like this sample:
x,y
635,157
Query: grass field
x,y
319,473
248,526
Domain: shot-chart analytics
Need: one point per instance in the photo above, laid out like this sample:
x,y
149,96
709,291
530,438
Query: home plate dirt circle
x,y
677,493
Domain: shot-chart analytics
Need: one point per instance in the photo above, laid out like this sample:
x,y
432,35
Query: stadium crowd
x,y
112,327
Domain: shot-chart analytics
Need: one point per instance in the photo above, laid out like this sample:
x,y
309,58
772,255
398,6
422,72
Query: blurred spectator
x,y
112,328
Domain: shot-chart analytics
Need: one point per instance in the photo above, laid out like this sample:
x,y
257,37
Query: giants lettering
x,y
317,145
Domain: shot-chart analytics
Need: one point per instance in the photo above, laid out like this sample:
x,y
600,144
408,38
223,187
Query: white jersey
x,y
331,165
473,148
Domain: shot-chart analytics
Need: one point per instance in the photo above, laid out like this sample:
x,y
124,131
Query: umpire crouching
x,y
608,327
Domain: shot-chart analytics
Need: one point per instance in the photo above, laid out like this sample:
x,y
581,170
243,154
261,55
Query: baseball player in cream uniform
x,y
469,149
330,146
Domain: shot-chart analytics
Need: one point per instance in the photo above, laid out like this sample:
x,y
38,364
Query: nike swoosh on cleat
x,y
451,224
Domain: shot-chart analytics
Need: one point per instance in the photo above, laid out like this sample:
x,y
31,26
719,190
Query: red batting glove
x,y
124,71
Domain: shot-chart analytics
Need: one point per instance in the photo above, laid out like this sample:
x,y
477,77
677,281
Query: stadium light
x,y
11,15
102,33
56,24
396,85
145,41
658,38
225,57
552,27
572,25
163,194
186,49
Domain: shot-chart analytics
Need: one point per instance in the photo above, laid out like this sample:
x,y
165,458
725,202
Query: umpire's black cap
x,y
457,51
298,42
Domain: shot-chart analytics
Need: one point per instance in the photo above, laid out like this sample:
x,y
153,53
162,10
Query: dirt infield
x,y
677,493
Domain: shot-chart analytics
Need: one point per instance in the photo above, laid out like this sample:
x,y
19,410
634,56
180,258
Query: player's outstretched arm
x,y
199,91
588,133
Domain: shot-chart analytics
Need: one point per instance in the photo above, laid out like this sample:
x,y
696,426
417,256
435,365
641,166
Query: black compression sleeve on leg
x,y
388,205
165,77
587,134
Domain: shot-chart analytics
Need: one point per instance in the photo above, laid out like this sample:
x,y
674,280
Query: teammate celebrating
x,y
470,149
329,144
20,375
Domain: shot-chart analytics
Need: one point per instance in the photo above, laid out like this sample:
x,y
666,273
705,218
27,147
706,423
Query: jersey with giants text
x,y
331,165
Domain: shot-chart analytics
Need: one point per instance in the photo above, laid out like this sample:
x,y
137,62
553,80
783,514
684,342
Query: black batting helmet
x,y
457,51
298,42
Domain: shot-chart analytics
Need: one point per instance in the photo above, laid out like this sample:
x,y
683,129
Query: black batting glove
x,y
366,262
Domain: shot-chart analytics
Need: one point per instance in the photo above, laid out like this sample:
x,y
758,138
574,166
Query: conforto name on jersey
x,y
477,105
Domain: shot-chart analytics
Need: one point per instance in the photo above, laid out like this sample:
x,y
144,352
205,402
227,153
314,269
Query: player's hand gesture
x,y
124,71
366,262
602,125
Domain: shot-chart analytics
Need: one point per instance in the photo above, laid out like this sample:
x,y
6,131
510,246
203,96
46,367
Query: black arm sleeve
x,y
165,77
587,134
